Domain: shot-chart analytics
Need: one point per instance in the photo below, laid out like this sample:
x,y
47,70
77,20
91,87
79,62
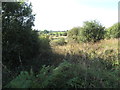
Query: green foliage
x,y
57,34
43,77
113,31
91,31
24,80
21,46
65,34
44,44
20,42
44,32
68,75
73,33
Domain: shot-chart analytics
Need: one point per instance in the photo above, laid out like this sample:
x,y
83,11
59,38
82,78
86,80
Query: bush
x,y
57,34
65,34
73,34
113,31
44,45
73,31
23,80
91,31
60,41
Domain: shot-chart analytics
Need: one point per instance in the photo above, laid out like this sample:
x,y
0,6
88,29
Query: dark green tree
x,y
19,42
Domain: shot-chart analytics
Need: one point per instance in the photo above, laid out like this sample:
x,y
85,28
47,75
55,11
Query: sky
x,y
62,15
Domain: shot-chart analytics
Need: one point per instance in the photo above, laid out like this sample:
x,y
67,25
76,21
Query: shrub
x,y
113,31
73,31
60,41
91,31
65,34
73,34
57,34
44,45
23,80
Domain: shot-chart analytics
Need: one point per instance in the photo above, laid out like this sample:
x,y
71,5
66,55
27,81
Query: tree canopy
x,y
19,41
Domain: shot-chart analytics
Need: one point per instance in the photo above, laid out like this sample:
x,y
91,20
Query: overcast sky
x,y
65,14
